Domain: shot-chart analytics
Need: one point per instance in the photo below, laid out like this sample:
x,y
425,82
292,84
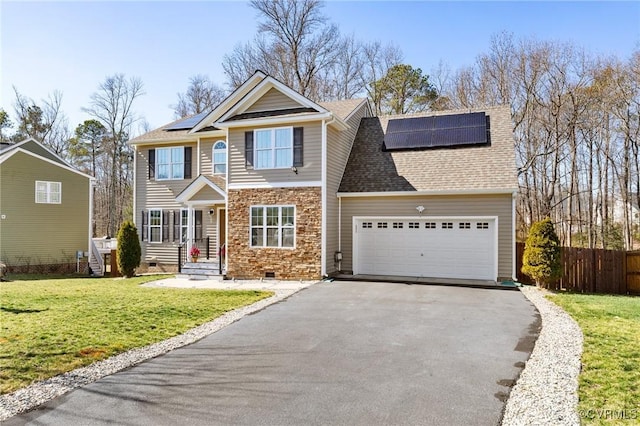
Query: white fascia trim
x,y
274,120
263,87
55,163
180,139
323,196
356,109
418,193
195,186
19,144
233,97
264,185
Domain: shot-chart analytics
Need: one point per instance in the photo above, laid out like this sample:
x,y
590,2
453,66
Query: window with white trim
x,y
48,192
273,148
272,226
170,163
155,225
219,158
184,225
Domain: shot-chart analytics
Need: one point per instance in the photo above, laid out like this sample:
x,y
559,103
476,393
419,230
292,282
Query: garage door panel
x,y
440,248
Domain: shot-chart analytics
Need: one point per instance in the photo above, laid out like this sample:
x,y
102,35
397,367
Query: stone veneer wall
x,y
303,262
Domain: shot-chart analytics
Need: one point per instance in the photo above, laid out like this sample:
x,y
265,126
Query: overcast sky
x,y
73,46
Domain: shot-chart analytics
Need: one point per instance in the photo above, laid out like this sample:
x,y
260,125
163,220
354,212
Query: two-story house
x,y
45,210
294,189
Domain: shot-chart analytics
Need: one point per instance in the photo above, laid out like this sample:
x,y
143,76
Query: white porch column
x,y
190,233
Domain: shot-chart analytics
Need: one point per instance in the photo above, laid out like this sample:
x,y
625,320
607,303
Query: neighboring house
x,y
300,190
45,210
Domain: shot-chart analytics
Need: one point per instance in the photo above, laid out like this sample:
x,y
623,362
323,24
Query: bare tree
x,y
201,95
295,44
378,60
46,122
112,106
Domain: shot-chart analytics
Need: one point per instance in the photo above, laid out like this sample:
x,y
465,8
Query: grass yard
x,y
610,378
52,326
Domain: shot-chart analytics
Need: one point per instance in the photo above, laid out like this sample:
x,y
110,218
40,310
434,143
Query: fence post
x,y
179,258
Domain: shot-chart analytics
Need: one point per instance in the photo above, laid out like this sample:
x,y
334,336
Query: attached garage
x,y
438,247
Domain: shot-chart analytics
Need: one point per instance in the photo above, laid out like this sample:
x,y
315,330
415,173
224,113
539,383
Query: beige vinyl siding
x,y
273,100
161,194
207,193
206,155
338,148
459,205
33,233
310,171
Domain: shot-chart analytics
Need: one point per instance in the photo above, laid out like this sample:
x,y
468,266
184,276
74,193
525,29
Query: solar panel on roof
x,y
188,123
436,131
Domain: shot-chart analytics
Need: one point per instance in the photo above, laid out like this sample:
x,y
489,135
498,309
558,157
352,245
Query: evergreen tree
x,y
129,252
541,258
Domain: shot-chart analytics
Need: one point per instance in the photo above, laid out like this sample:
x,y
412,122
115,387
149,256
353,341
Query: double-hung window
x,y
48,192
274,148
170,163
155,225
272,226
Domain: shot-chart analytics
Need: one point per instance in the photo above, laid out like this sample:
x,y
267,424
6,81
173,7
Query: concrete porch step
x,y
200,277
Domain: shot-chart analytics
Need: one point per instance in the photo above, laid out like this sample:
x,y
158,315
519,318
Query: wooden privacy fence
x,y
592,270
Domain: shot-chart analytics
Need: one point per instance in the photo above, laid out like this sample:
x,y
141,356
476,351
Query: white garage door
x,y
439,248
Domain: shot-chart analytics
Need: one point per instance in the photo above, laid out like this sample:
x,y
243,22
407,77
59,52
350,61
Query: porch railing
x,y
203,244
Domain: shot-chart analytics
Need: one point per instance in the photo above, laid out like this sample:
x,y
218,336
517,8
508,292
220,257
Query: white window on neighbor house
x,y
220,158
170,163
155,225
273,148
48,192
273,226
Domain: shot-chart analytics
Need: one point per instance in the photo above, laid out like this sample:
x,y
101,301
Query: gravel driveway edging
x,y
26,399
547,390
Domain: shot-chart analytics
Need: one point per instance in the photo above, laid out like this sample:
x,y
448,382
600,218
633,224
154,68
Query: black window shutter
x,y
177,219
248,149
152,164
165,225
198,224
298,146
144,226
187,162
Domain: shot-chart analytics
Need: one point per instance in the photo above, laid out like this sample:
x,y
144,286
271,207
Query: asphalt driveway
x,y
335,353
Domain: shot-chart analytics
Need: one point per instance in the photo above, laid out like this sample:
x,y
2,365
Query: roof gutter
x,y
488,191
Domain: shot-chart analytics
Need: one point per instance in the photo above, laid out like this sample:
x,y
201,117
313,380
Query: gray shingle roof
x,y
447,169
340,108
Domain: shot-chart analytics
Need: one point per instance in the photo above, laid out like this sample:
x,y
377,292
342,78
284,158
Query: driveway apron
x,y
335,353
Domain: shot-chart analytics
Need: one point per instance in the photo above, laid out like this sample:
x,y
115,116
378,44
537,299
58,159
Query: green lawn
x,y
52,326
610,377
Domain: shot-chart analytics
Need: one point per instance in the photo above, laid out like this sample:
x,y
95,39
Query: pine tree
x,y
541,258
129,252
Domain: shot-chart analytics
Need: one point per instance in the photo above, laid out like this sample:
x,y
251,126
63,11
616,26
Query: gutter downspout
x,y
513,235
340,233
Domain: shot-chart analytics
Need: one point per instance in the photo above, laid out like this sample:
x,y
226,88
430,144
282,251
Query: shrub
x,y
128,249
541,258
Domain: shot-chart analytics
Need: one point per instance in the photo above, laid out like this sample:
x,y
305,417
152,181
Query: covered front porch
x,y
203,226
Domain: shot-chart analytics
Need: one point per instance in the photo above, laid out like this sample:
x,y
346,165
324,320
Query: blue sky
x,y
73,46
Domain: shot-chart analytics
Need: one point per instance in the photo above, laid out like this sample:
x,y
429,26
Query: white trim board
x,y
488,191
267,185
